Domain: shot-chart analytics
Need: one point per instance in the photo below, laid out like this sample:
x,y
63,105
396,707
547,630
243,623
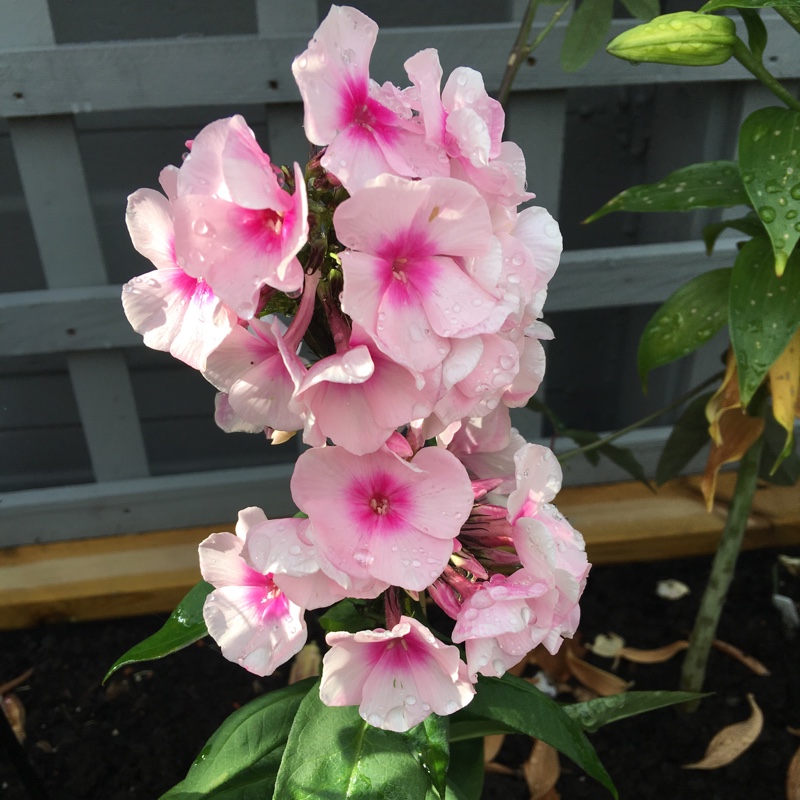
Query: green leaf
x,y
764,312
625,459
582,439
333,754
708,185
586,31
512,704
349,615
750,225
769,142
465,776
430,739
713,5
593,714
184,627
241,760
687,320
756,31
685,440
643,9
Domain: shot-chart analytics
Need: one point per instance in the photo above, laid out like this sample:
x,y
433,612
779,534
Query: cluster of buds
x,y
385,301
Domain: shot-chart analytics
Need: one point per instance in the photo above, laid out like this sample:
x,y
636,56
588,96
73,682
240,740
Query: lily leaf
x,y
586,31
750,225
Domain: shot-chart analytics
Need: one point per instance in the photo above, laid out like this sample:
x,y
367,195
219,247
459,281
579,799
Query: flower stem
x,y
575,451
743,55
519,52
705,626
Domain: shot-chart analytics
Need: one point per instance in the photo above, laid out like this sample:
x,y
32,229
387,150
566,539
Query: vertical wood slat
x,y
54,184
536,122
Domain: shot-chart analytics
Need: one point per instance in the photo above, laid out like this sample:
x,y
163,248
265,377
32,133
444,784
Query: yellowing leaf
x,y
541,770
793,777
784,378
729,743
657,656
724,399
598,680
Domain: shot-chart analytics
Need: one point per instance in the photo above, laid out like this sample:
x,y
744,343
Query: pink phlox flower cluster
x,y
385,300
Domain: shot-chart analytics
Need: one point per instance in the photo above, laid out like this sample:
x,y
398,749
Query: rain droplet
x,y
795,191
294,550
767,213
202,228
498,666
411,700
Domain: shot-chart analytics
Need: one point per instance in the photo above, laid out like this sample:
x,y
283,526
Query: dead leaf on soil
x,y
793,731
501,769
672,589
9,686
554,666
606,645
729,743
790,564
656,656
793,777
542,770
491,746
751,663
15,714
596,679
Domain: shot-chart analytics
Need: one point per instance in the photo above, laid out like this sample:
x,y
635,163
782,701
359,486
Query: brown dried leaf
x,y
734,652
793,731
596,679
491,746
541,770
555,667
501,769
519,667
9,686
15,714
793,777
657,656
729,743
307,663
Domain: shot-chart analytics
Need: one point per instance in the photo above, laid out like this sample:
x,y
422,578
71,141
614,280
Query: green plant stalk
x,y
743,55
576,451
522,48
791,15
705,627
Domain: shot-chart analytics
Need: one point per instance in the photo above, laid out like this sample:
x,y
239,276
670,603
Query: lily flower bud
x,y
685,38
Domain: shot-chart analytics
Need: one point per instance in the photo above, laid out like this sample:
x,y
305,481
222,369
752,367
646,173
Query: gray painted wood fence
x,y
99,436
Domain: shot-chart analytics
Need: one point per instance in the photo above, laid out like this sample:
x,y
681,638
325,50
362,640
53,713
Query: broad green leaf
x,y
713,5
621,456
756,31
764,312
512,704
333,754
465,776
430,741
643,9
769,143
586,31
686,440
708,185
687,320
593,714
750,225
583,438
184,627
241,760
348,616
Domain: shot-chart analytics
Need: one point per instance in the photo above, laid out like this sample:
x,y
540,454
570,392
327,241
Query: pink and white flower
x,y
247,615
397,678
379,516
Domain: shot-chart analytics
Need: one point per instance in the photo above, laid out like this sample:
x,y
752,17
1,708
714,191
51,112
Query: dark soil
x,y
136,737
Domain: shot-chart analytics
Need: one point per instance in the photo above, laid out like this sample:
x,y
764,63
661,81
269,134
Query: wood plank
x,y
149,572
74,79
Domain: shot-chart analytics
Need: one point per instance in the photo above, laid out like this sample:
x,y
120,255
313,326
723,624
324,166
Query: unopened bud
x,y
685,38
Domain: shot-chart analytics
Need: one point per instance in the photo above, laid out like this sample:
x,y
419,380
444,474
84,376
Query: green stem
x,y
791,15
743,55
705,626
519,52
550,25
576,451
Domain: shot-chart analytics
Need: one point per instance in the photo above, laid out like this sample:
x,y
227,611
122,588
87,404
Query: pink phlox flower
x,y
235,224
379,516
502,182
404,281
367,128
397,678
172,310
249,367
228,420
358,397
505,619
247,614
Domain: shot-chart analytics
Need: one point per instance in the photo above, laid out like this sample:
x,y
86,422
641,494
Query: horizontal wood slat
x,y
127,575
91,318
74,79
